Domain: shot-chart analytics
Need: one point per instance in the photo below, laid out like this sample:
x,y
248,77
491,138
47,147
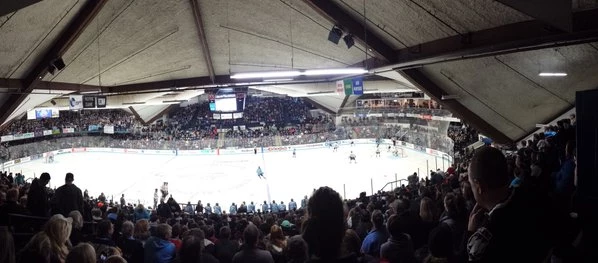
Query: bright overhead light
x,y
552,74
286,74
278,80
334,71
266,74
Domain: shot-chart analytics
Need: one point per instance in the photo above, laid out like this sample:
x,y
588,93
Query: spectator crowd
x,y
490,207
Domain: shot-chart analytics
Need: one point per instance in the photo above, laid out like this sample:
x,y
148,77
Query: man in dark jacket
x,y
506,225
67,197
11,206
37,198
226,248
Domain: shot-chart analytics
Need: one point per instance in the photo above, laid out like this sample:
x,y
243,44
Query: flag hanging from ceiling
x,y
340,87
348,86
358,86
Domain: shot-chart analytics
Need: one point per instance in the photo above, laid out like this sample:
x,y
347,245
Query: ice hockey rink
x,y
232,178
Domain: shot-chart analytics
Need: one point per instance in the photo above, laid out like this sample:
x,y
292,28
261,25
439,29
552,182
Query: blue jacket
x,y
373,241
141,214
292,205
251,208
564,178
217,210
157,250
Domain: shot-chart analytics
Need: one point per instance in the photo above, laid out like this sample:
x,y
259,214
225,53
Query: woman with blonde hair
x,y
82,253
142,230
50,245
76,234
277,244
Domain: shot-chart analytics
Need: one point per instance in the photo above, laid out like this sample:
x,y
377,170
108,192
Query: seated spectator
x,y
249,252
324,227
132,249
277,244
158,249
226,248
192,249
11,206
454,217
76,234
49,245
142,230
141,213
176,236
103,243
440,246
351,248
7,246
115,259
296,250
376,237
82,253
399,247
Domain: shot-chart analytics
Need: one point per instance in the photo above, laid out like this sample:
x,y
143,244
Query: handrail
x,y
391,182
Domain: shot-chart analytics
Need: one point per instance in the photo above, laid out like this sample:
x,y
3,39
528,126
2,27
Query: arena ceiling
x,y
484,54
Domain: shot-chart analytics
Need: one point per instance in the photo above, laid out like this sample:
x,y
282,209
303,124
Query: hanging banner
x,y
89,102
358,86
340,87
348,87
101,101
76,102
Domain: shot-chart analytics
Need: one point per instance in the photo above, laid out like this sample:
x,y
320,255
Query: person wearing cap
x,y
37,198
67,197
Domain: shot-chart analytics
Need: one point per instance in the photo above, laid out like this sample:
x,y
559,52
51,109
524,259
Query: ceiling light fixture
x,y
277,80
552,74
286,74
265,74
338,71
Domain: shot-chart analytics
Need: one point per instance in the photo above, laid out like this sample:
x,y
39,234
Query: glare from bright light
x,y
552,74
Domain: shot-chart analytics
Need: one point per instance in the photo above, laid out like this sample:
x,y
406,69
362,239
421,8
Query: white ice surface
x,y
232,178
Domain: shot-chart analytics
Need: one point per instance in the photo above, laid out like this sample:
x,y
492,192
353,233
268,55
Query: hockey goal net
x,y
400,152
48,157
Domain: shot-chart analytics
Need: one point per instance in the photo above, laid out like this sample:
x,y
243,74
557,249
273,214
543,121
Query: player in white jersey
x,y
164,190
335,149
352,157
377,151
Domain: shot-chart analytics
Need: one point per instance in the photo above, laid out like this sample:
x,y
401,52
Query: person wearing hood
x,y
159,249
141,213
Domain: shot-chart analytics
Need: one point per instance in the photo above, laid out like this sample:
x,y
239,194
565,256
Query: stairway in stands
x,y
277,140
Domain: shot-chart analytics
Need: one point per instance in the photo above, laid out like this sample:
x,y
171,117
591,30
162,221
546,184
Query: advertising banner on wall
x,y
109,129
340,87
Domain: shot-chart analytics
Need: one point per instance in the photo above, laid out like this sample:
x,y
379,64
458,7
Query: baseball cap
x,y
286,224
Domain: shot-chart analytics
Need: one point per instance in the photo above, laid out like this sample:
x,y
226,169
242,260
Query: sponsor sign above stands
x,y
68,130
47,132
75,102
7,138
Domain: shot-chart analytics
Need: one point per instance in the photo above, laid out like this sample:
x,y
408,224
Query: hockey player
x,y
164,190
260,174
352,157
352,143
378,152
335,149
294,153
